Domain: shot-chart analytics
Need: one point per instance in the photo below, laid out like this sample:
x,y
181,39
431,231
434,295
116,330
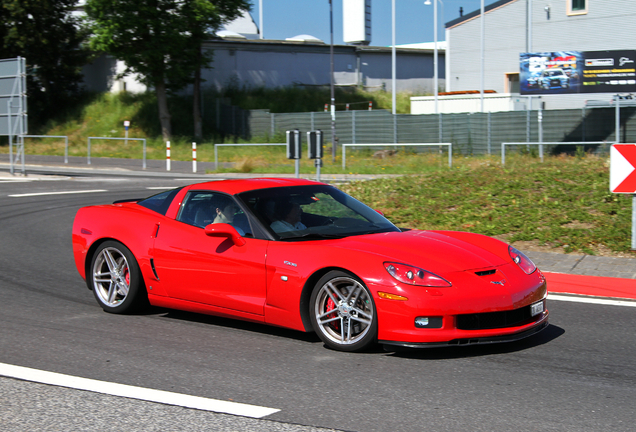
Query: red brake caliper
x,y
331,306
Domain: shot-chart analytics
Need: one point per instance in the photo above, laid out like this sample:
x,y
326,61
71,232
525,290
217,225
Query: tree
x,y
217,13
51,39
160,40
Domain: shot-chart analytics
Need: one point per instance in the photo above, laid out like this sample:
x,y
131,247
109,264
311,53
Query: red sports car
x,y
304,255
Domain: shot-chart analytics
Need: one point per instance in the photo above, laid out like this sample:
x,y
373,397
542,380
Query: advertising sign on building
x,y
560,72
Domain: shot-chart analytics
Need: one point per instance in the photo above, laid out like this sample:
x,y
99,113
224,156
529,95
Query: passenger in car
x,y
221,210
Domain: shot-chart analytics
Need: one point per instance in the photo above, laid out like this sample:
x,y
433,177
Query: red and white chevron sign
x,y
623,168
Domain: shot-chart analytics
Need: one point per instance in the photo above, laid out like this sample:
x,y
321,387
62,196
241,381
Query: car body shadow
x,y
237,324
550,333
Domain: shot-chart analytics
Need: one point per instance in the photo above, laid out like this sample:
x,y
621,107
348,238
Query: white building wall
x,y
504,30
465,103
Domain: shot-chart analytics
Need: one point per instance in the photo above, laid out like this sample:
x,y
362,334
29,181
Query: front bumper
x,y
539,326
476,310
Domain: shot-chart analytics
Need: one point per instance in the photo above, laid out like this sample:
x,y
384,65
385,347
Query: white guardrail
x,y
449,145
118,139
541,144
216,151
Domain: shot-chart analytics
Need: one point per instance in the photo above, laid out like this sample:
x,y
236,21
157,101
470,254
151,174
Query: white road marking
x,y
133,392
592,300
57,193
199,180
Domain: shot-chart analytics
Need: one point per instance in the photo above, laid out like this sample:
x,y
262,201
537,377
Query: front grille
x,y
495,320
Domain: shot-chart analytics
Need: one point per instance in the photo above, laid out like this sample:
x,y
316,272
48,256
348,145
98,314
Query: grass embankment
x,y
562,204
103,115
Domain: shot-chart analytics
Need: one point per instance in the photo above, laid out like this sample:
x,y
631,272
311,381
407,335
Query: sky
x,y
413,19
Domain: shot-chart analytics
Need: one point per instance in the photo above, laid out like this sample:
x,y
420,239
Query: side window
x,y
160,202
196,209
201,208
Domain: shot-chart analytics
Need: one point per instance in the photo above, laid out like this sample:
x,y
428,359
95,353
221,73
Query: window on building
x,y
512,82
577,7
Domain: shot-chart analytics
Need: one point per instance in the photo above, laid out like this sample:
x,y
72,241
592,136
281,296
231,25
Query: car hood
x,y
443,251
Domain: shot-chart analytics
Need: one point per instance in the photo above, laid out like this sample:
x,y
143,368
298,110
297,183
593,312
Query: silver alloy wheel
x,y
344,310
111,276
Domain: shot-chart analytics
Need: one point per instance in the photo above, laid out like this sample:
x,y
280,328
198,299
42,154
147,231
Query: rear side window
x,y
160,202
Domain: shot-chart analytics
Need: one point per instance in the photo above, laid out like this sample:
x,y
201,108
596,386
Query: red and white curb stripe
x,y
591,289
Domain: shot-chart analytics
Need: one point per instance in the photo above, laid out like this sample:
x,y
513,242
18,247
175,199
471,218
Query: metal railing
x,y
449,145
216,151
541,144
118,139
53,136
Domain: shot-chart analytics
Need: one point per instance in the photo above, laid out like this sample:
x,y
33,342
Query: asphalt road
x,y
578,375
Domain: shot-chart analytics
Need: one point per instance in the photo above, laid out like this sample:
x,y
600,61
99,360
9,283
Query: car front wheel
x,y
343,313
116,279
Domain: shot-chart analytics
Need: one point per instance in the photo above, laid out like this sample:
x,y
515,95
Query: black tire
x,y
342,312
116,279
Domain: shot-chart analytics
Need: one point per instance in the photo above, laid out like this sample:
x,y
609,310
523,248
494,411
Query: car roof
x,y
243,185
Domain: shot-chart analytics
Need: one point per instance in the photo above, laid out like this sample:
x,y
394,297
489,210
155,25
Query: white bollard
x,y
194,157
167,155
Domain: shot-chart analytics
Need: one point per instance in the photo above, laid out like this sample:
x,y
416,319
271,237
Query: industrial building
x,y
242,57
512,27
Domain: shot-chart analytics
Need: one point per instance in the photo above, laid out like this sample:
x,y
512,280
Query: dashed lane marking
x,y
56,193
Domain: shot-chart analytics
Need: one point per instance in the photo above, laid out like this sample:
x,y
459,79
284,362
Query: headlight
x,y
522,261
414,276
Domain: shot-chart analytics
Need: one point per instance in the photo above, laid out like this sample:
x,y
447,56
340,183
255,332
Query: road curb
x,y
597,286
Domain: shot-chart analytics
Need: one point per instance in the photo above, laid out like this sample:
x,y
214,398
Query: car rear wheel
x,y
116,279
343,312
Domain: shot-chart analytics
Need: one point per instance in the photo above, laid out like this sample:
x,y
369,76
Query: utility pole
x,y
333,95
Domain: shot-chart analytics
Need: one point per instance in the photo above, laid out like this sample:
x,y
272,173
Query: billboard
x,y
562,72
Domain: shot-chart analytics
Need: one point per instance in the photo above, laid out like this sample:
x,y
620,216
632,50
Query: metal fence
x,y
143,140
470,133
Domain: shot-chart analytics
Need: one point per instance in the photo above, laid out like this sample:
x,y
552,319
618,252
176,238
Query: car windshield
x,y
313,212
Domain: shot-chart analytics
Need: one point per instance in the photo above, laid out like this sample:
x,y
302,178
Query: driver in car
x,y
289,218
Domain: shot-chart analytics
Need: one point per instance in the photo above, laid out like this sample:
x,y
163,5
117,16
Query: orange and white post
x,y
167,155
194,157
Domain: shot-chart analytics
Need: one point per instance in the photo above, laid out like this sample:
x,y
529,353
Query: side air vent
x,y
154,270
485,272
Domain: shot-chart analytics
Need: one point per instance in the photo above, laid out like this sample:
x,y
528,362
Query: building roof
x,y
464,18
312,44
241,26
